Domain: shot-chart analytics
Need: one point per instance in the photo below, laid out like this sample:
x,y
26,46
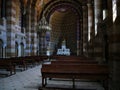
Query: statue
x,y
64,42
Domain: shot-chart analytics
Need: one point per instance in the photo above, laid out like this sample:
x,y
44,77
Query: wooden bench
x,y
35,59
28,61
7,65
19,63
70,57
74,62
83,71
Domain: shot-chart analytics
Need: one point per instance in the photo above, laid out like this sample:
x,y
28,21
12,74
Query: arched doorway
x,y
65,18
19,49
16,49
22,49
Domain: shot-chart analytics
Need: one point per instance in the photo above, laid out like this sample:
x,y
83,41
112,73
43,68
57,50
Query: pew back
x,y
74,62
72,68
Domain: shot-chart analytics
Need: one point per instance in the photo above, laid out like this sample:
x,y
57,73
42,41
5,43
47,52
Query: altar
x,y
63,50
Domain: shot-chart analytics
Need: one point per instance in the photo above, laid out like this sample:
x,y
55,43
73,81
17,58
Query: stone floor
x,y
31,80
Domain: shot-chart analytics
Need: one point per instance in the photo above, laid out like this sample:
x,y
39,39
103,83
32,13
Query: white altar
x,y
63,50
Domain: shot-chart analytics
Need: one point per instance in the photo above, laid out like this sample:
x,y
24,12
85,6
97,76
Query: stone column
x,y
10,28
28,30
98,13
33,31
78,38
85,30
111,32
99,32
91,31
4,51
90,20
114,50
43,46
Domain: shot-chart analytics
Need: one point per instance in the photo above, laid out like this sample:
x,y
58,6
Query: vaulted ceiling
x,y
38,3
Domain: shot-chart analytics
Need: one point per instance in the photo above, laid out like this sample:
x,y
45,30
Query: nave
x,y
31,79
59,27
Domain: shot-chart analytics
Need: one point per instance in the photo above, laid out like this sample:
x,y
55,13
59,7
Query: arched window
x,y
114,9
1,49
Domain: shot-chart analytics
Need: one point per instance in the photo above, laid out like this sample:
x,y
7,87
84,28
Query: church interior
x,y
71,39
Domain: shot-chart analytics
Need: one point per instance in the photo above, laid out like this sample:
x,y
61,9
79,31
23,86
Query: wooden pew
x,y
28,61
36,59
68,58
71,58
19,63
22,63
40,59
7,65
83,71
74,62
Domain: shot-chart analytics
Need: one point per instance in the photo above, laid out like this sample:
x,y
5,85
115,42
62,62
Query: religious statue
x,y
64,42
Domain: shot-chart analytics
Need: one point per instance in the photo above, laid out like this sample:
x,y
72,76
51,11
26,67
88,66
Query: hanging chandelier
x,y
43,25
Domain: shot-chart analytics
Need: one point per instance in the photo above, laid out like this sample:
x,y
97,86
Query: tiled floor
x,y
31,80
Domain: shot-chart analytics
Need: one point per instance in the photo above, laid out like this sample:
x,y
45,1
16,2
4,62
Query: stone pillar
x,y
78,38
99,32
113,31
85,30
78,51
28,30
108,23
33,31
90,20
114,50
91,31
10,28
4,52
98,13
43,44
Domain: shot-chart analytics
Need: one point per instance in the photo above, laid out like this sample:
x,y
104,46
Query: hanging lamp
x,y
43,24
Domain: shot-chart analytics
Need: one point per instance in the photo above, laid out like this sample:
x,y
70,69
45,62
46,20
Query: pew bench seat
x,y
8,66
83,71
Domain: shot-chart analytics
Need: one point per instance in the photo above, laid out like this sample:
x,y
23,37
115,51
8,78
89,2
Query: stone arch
x,y
51,6
76,8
